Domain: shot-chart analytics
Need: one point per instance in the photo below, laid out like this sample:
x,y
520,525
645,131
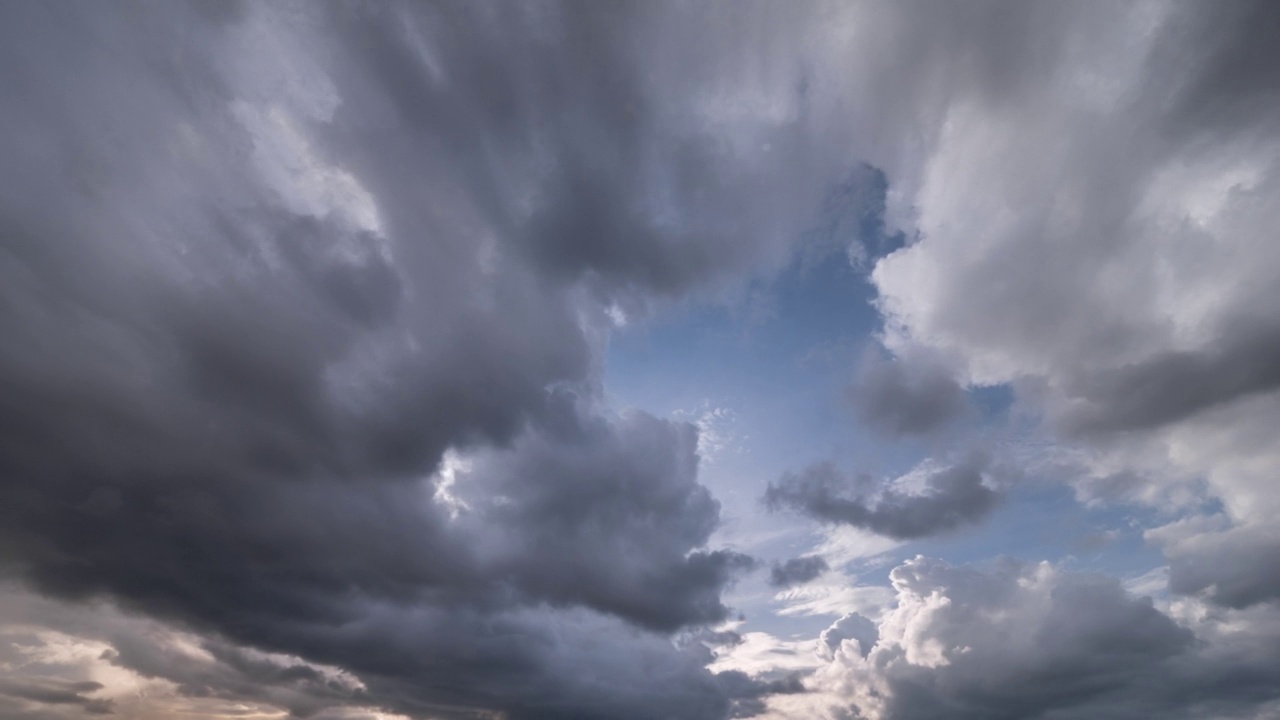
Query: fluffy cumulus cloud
x,y
1034,640
306,308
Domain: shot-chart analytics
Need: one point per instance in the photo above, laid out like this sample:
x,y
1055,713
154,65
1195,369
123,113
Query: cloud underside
x,y
953,497
305,312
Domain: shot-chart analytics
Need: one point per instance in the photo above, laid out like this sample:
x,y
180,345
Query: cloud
x,y
94,658
761,655
748,693
951,497
265,269
554,514
1089,200
55,691
1233,565
908,396
1034,640
1175,385
796,571
148,668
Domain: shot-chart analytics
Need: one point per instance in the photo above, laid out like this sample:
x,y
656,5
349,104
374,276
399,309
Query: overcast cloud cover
x,y
306,406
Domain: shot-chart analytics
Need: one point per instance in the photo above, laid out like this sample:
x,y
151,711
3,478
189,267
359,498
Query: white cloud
x,y
1034,640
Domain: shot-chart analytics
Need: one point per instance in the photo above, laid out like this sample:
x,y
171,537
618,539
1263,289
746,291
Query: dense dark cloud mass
x,y
557,511
952,497
305,311
265,268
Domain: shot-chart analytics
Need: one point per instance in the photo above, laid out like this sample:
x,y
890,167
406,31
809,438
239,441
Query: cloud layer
x,y
304,316
1020,640
306,309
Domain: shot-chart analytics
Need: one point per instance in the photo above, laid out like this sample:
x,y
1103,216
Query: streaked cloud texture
x,y
323,322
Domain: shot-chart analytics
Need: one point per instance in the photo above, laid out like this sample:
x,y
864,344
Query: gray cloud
x,y
1104,246
1232,566
267,270
56,691
156,669
556,512
1174,385
748,693
951,498
906,396
304,314
1038,641
796,571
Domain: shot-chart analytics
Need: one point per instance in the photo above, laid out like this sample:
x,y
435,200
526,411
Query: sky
x,y
639,361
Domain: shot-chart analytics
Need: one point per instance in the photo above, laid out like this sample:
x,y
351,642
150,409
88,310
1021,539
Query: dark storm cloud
x,y
576,141
796,571
953,497
263,266
556,512
906,396
304,310
570,660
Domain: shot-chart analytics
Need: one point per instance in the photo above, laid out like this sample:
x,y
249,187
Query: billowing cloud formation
x,y
557,511
858,628
304,309
951,497
1095,215
1024,640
